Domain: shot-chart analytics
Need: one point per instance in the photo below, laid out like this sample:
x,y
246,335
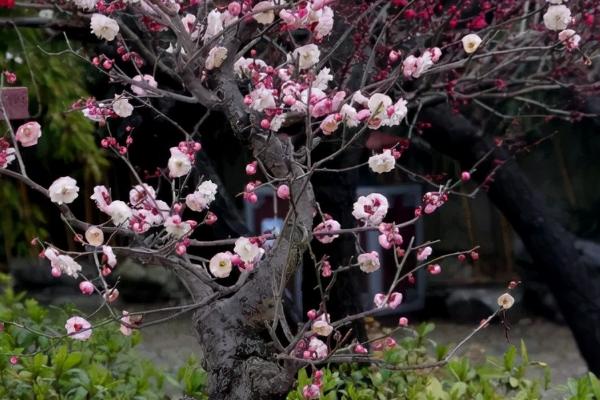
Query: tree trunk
x,y
236,354
575,285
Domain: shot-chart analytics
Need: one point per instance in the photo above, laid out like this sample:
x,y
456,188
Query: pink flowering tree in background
x,y
291,78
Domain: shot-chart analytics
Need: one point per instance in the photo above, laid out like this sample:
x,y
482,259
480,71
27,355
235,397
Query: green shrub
x,y
104,367
107,366
512,376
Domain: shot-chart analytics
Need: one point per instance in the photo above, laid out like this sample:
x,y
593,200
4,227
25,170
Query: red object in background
x,y
15,100
7,3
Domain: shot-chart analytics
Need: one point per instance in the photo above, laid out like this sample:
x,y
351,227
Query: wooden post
x,y
16,103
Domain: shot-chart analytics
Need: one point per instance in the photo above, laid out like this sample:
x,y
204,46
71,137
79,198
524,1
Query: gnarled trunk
x,y
236,354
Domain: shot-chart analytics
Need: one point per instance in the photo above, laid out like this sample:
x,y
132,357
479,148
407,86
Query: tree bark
x,y
575,285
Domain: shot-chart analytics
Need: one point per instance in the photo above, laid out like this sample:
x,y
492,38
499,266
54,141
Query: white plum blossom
x,y
328,225
318,348
179,163
325,23
65,264
321,326
378,105
214,25
570,38
202,196
85,4
506,301
307,55
277,122
471,43
381,163
322,79
371,209
119,212
145,79
262,99
102,197
141,194
396,113
266,17
349,116
557,17
330,124
242,66
122,107
248,251
94,236
369,262
220,265
176,227
111,259
78,328
104,27
216,56
63,190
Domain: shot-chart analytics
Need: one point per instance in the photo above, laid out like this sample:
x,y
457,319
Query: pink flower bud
x,y
360,349
211,218
251,168
236,260
462,257
265,124
311,314
247,100
111,295
14,360
181,249
394,56
434,269
86,287
283,192
107,64
252,198
55,272
289,100
234,8
465,176
474,255
177,207
403,321
390,342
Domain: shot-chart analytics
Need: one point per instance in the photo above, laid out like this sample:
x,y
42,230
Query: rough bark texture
x,y
575,284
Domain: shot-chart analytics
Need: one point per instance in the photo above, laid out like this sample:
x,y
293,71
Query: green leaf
x,y
509,358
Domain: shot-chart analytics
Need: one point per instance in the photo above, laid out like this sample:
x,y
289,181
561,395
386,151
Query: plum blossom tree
x,y
291,78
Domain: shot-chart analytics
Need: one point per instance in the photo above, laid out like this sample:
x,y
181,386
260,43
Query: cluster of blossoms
x,y
99,112
414,67
313,390
247,252
7,153
431,202
558,18
296,89
310,348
